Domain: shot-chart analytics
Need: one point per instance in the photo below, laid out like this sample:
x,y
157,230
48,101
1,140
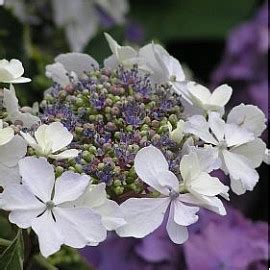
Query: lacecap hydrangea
x,y
122,147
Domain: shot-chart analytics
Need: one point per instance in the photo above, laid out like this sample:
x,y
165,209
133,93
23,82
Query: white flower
x,y
10,154
14,114
2,2
164,67
202,98
6,134
70,64
43,204
122,55
203,188
145,215
95,197
50,140
177,134
239,149
80,18
12,71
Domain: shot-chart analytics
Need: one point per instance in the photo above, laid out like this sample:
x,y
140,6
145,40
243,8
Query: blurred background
x,y
216,41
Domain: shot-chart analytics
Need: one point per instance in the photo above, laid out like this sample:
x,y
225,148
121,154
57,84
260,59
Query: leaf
x,y
4,242
12,257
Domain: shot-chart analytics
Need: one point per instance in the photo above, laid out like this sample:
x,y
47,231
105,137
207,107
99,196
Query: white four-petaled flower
x,y
200,98
201,187
236,142
45,205
12,71
51,140
144,215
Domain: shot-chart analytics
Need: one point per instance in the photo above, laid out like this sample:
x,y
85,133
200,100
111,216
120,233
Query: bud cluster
x,y
112,115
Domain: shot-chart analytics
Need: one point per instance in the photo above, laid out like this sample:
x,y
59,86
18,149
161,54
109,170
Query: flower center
x,y
50,205
223,144
173,194
173,78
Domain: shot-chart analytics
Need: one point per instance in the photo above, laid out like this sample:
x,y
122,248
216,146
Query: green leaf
x,y
12,257
190,19
4,242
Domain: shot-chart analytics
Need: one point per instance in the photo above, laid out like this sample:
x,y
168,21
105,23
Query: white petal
x,y
10,101
200,94
6,135
236,135
59,136
80,226
58,74
169,179
207,158
198,126
69,187
9,175
243,177
23,205
177,134
183,214
249,117
111,215
217,125
221,95
206,185
159,73
49,234
143,216
149,163
177,233
266,157
44,142
189,167
166,61
12,106
18,80
38,176
77,62
181,89
68,154
30,140
94,196
13,151
254,151
211,203
111,62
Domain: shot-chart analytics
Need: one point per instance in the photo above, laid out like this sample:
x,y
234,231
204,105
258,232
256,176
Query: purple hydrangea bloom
x,y
245,63
216,242
230,242
154,252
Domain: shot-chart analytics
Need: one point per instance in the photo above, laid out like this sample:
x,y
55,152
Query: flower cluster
x,y
126,146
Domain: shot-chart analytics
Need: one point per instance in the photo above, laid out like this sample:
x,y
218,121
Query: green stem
x,y
40,260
